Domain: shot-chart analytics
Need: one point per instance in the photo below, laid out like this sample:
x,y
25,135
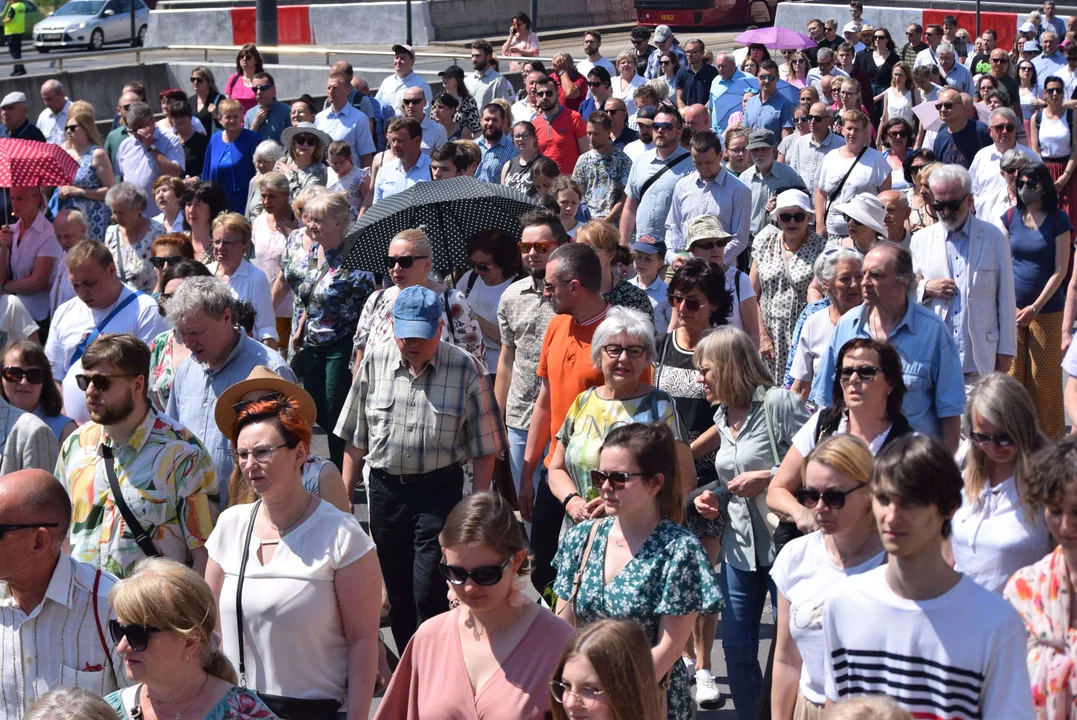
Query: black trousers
x,y
407,514
546,520
14,44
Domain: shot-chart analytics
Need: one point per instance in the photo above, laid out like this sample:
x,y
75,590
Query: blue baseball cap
x,y
416,313
650,245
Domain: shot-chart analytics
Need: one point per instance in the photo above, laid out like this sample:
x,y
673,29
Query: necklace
x,y
188,706
284,531
846,562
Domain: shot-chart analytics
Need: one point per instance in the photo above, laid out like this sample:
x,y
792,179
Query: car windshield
x,y
80,7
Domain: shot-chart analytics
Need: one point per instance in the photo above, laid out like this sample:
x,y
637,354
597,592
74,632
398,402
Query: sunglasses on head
x,y
306,140
243,404
793,217
1001,439
833,499
616,479
866,373
34,376
138,636
947,205
484,575
404,261
539,247
685,303
101,381
161,262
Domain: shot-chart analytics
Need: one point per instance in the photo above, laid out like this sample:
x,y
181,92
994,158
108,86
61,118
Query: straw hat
x,y
261,378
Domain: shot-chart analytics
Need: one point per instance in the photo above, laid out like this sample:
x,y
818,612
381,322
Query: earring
x,y
186,658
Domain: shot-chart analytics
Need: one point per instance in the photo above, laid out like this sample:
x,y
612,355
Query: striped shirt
x,y
806,156
57,643
414,424
725,196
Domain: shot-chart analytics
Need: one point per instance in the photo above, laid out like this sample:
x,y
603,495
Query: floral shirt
x,y
461,325
238,704
168,480
334,301
604,178
294,266
351,185
670,575
161,369
133,262
300,180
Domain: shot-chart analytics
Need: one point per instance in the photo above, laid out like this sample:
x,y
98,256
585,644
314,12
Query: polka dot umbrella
x,y
449,211
30,163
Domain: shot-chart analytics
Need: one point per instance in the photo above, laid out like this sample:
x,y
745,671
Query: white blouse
x,y
293,637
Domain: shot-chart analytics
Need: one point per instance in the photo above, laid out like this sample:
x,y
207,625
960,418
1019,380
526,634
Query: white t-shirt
x,y
484,301
1069,362
740,290
996,535
866,177
16,323
249,284
805,574
804,439
74,321
293,636
815,338
957,656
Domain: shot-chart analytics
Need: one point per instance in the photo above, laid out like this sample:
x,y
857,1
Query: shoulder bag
x,y
577,580
142,537
837,191
298,356
81,347
285,707
670,164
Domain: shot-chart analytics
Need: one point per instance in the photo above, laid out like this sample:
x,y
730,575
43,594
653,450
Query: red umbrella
x,y
29,163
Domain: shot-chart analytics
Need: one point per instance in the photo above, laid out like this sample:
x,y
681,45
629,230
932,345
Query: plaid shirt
x,y
414,424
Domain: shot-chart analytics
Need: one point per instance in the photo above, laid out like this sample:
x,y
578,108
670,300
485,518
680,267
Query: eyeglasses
x,y
262,88
243,404
833,499
539,247
413,101
195,79
481,267
161,262
1003,440
586,695
100,381
615,351
866,373
5,529
485,575
404,261
138,636
524,136
662,126
223,244
34,376
306,140
767,78
848,93
686,303
947,205
262,454
545,93
616,479
944,106
70,129
1027,183
1004,127
792,217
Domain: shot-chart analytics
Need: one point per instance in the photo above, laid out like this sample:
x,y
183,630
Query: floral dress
x,y
133,260
97,214
784,278
161,369
300,180
467,115
670,575
238,704
334,299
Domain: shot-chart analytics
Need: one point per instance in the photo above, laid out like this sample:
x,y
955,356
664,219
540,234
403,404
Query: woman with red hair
x,y
170,95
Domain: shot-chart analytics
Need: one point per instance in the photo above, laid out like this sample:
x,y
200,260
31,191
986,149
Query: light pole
x,y
265,27
407,10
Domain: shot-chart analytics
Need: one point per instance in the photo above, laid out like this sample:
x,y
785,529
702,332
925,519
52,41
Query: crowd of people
x,y
806,345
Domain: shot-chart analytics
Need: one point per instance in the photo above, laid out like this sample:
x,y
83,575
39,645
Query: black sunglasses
x,y
161,262
70,129
196,79
100,381
948,205
834,499
819,118
481,267
617,479
306,140
1027,182
138,636
1002,439
404,261
239,406
661,126
262,88
484,575
866,373
801,120
793,217
5,529
34,376
595,84
413,101
944,106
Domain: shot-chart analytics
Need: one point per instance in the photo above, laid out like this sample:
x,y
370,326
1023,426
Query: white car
x,y
92,24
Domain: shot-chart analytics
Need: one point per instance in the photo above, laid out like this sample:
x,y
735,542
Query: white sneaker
x,y
707,692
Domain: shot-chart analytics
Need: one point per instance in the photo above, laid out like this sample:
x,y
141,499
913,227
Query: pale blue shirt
x,y
1048,65
349,125
392,90
195,389
433,135
718,88
135,164
654,206
960,78
392,178
726,196
957,255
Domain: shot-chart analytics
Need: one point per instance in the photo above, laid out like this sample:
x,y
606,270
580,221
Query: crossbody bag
x,y
837,191
670,164
81,347
143,537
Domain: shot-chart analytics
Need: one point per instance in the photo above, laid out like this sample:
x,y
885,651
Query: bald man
x,y
697,117
54,610
897,215
53,118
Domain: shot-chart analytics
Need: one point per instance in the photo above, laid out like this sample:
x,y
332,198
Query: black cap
x,y
453,71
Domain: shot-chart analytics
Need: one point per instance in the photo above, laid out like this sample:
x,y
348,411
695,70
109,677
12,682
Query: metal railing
x,y
329,52
38,58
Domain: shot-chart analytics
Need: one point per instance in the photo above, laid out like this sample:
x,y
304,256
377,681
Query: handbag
x,y
287,708
298,357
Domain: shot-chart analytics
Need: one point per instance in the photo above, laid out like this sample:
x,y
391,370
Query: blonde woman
x,y
94,176
921,199
901,97
166,633
625,84
68,703
231,245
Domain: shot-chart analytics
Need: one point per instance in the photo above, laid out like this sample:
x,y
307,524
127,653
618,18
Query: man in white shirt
x,y
592,42
928,56
526,109
343,121
410,164
645,126
102,304
827,66
70,229
392,88
915,629
54,610
987,178
486,84
415,108
53,118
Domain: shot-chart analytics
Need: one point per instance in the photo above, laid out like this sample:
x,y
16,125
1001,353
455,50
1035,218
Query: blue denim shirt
x,y
195,389
935,384
494,158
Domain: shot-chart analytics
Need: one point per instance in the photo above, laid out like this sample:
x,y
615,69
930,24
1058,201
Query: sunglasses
x,y
34,376
833,499
999,61
616,479
707,246
799,61
1053,91
100,381
662,126
481,267
897,134
595,84
881,37
792,217
819,118
866,373
947,205
801,120
484,575
404,261
161,262
413,101
1003,440
71,129
539,247
138,636
195,79
851,221
243,404
1004,127
1027,182
767,78
664,62
685,303
545,93
944,106
848,93
615,351
261,88
1011,171
306,140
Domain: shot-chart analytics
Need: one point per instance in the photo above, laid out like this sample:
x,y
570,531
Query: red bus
x,y
704,13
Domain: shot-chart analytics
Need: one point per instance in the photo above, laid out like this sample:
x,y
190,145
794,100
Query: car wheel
x,y
97,39
141,39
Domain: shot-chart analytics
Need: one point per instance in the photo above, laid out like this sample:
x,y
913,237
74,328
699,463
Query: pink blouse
x,y
431,682
236,90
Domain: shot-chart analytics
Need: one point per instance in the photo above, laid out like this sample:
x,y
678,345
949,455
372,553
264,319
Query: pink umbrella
x,y
776,38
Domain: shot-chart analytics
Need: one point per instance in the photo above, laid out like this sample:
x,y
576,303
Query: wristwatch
x,y
153,148
564,503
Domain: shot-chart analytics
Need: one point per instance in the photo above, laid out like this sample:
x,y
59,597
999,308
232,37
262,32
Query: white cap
x,y
13,97
662,33
793,198
853,27
1027,27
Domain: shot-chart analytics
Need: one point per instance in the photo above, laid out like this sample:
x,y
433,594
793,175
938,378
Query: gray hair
x,y
269,150
73,215
660,86
208,294
825,54
950,175
53,86
330,206
126,194
623,321
944,47
1004,112
1013,158
1045,33
137,113
826,265
68,703
274,181
360,82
